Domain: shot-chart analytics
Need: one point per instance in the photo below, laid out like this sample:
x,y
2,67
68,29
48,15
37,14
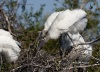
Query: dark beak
x,y
40,41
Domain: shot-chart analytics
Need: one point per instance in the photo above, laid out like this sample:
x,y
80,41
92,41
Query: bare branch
x,y
85,66
95,58
6,18
91,42
84,3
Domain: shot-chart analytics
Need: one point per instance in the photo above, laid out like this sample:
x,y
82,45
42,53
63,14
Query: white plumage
x,y
72,22
60,22
8,46
64,21
5,33
48,22
77,39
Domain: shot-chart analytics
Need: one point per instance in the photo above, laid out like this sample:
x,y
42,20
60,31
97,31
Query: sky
x,y
49,5
48,8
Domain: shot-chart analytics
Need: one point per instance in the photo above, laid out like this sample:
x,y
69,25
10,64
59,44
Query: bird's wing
x,y
7,41
18,44
10,55
81,25
50,20
70,18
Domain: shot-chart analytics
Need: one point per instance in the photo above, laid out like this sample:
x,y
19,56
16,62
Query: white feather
x,y
50,20
64,21
8,46
77,38
10,55
61,21
79,26
5,33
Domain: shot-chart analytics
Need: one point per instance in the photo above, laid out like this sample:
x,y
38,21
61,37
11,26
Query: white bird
x,y
52,30
75,21
77,39
8,46
64,21
48,22
60,22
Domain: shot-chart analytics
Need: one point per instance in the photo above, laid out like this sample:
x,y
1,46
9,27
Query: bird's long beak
x,y
41,40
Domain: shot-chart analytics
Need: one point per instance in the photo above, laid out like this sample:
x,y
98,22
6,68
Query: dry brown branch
x,y
85,66
7,21
91,42
44,62
95,58
72,56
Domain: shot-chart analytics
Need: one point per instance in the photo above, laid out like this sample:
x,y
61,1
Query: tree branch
x,y
7,20
91,42
85,66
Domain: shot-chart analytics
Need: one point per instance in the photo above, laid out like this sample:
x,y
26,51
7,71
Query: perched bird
x,y
71,22
63,21
77,39
8,46
60,22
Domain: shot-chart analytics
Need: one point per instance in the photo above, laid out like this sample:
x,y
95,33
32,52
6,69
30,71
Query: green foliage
x,y
96,53
27,24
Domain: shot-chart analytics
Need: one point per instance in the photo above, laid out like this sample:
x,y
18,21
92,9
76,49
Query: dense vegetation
x,y
26,25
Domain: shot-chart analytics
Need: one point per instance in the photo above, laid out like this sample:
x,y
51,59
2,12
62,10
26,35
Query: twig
x,y
80,62
95,58
26,65
6,18
91,42
85,66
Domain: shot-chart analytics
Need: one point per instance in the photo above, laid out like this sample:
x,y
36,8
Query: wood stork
x,y
8,46
77,38
60,22
64,21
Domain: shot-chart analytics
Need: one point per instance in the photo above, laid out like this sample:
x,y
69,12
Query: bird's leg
x,y
37,42
70,38
41,43
60,51
64,52
60,48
